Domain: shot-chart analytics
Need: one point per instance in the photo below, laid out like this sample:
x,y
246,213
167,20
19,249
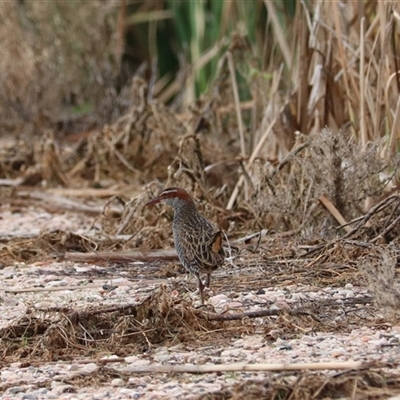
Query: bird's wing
x,y
202,247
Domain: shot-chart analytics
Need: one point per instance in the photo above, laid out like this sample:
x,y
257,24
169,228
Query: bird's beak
x,y
156,200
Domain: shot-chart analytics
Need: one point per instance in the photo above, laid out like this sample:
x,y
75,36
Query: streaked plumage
x,y
198,244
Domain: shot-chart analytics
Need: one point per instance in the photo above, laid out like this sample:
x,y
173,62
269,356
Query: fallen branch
x,y
195,369
11,182
268,313
88,192
51,289
80,287
63,203
191,368
250,367
128,256
374,210
251,314
393,225
35,234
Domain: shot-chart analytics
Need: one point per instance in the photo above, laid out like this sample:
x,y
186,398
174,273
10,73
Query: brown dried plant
x,y
52,52
331,165
380,267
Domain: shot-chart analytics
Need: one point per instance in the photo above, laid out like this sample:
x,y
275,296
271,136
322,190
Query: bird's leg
x,y
201,288
208,278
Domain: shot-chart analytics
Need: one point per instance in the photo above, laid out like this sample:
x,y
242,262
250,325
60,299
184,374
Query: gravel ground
x,y
49,380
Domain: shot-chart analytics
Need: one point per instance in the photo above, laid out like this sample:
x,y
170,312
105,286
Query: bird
x,y
197,243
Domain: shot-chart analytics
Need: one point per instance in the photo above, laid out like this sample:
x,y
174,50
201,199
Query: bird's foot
x,y
205,307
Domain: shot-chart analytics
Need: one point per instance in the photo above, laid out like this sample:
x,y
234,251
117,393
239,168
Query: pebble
x,y
88,369
52,396
281,305
378,342
117,382
137,361
62,388
57,283
349,286
44,304
338,353
163,357
29,397
296,297
130,393
345,293
232,305
75,367
218,300
16,390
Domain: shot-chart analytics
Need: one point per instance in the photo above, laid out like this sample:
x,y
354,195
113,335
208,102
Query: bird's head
x,y
175,197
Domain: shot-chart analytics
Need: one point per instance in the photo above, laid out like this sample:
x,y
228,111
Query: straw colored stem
x,y
363,128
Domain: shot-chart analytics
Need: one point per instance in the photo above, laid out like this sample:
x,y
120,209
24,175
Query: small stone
x,y
338,353
378,342
349,286
307,339
108,287
132,359
344,293
52,396
231,353
137,363
117,382
56,383
44,304
80,268
57,283
50,278
282,305
235,304
89,368
29,397
129,393
218,299
163,357
274,307
366,338
110,357
60,389
16,389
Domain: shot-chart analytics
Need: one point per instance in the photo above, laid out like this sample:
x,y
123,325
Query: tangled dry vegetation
x,y
318,205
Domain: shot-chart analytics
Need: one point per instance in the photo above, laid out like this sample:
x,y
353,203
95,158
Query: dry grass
x,y
370,384
68,333
62,55
383,277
